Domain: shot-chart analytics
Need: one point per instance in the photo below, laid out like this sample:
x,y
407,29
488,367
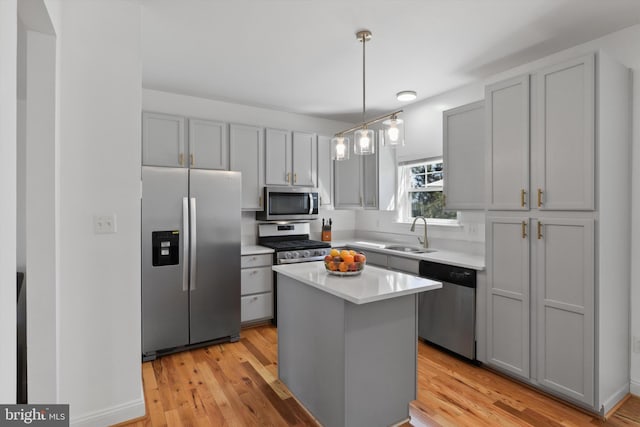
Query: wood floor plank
x,y
237,385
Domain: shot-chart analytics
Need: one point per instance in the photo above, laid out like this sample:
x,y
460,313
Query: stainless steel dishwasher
x,y
447,316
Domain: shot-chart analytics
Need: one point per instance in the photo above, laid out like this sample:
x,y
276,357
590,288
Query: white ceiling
x,y
302,56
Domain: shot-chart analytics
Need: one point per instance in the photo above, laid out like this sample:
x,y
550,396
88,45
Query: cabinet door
x,y
565,139
387,178
347,191
507,105
208,145
304,159
565,307
463,156
508,294
246,149
163,140
325,170
370,179
278,157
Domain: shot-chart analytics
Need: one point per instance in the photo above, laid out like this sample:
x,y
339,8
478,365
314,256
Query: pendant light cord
x,y
364,41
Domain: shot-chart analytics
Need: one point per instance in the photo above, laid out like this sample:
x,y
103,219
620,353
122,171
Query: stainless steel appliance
x,y
447,316
289,203
291,244
190,258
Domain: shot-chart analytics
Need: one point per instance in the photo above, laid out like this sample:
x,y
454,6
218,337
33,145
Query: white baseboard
x,y
613,400
635,387
113,415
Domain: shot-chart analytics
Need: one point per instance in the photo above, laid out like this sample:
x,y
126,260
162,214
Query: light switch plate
x,y
104,224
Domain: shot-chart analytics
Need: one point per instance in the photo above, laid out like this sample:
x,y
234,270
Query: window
x,y
421,191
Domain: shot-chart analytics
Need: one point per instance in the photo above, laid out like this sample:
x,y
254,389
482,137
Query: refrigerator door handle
x,y
194,232
185,244
310,203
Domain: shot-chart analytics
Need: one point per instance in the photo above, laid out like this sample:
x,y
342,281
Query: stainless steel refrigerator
x,y
191,222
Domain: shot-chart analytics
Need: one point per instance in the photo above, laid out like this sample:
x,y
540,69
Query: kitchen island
x,y
347,346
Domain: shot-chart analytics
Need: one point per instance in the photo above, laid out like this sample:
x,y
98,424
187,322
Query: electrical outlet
x,y
104,224
636,344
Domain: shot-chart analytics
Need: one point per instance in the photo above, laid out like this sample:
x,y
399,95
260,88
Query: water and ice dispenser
x,y
166,247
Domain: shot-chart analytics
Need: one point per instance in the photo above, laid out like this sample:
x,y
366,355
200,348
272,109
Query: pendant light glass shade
x,y
393,132
364,141
340,148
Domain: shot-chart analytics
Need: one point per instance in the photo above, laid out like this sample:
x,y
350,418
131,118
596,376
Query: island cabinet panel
x,y
349,364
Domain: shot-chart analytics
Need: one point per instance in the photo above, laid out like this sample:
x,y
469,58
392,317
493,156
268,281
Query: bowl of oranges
x,y
344,262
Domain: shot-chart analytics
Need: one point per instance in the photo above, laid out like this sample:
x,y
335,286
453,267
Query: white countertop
x,y
459,259
373,284
255,250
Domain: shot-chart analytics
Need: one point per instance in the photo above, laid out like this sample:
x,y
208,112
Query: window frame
x,y
404,190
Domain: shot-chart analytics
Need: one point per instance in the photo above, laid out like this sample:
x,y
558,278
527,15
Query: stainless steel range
x,y
291,244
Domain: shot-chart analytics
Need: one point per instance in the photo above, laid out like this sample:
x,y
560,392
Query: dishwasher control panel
x,y
448,273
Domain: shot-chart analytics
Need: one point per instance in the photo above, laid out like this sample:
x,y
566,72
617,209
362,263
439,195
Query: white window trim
x,y
404,205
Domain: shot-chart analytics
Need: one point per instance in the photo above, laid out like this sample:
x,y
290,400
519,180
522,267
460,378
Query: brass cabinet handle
x,y
540,197
524,230
539,230
522,194
295,178
288,177
192,158
181,159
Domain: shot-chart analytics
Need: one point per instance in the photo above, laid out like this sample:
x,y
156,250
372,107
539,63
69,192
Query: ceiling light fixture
x,y
363,137
406,95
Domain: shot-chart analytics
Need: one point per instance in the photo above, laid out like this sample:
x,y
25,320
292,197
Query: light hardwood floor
x,y
236,385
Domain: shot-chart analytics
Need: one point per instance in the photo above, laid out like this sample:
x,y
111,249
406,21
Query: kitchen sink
x,y
409,249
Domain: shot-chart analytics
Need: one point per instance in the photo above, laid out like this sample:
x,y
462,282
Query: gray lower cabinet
x,y
256,288
541,279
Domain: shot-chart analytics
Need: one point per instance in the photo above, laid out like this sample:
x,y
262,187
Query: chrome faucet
x,y
424,242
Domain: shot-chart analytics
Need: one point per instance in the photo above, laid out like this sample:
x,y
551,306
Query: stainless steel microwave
x,y
289,203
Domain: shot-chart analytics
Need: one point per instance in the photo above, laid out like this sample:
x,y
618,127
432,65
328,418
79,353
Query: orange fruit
x,y
343,266
348,258
352,252
332,266
334,252
343,253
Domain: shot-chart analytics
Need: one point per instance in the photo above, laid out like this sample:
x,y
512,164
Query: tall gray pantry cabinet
x,y
557,240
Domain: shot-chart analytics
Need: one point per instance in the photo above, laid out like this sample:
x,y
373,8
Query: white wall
x,y
8,90
635,235
99,103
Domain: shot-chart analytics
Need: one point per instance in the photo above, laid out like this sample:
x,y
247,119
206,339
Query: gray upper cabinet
x,y
463,156
507,105
508,295
325,170
208,145
305,158
278,157
565,135
367,181
565,306
348,182
163,140
246,155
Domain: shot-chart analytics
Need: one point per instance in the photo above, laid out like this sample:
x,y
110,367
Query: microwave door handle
x,y
310,203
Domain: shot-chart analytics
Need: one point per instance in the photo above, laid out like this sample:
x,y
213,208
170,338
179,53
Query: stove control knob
x,y
295,255
288,255
306,254
321,252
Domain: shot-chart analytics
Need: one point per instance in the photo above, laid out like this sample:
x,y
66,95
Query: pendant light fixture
x,y
364,138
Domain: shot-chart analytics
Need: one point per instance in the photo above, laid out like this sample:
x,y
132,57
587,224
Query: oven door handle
x,y
310,203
